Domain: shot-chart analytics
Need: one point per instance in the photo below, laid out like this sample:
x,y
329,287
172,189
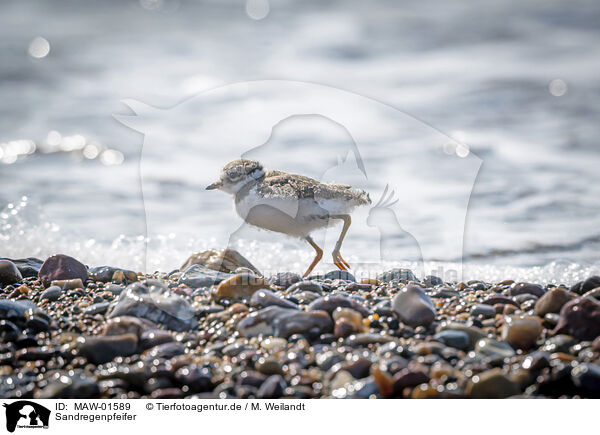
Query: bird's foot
x,y
339,261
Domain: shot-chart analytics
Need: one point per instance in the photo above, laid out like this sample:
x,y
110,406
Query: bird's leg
x,y
337,257
318,256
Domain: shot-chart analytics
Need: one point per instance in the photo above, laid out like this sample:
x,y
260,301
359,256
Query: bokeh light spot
x,y
257,9
39,47
558,87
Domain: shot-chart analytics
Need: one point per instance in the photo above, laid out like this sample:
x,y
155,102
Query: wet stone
x,y
522,288
305,286
330,302
99,308
197,379
580,318
199,276
127,324
594,293
11,309
165,350
152,338
154,301
266,298
284,322
74,385
586,378
107,274
227,260
52,293
491,384
240,286
28,267
552,301
483,310
457,339
432,281
62,267
474,333
272,388
585,286
9,273
101,349
521,331
494,349
285,279
397,275
413,306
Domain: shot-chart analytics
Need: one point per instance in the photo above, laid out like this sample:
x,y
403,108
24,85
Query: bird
x,y
291,204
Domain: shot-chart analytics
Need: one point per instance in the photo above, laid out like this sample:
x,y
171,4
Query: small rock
x,y
29,267
226,261
305,286
521,331
552,301
154,301
343,275
483,310
522,288
200,276
494,349
102,349
61,267
107,274
126,325
240,286
284,322
452,338
67,284
9,273
586,378
491,384
52,293
285,279
99,308
585,286
580,318
413,306
266,298
330,302
432,281
272,388
475,334
593,293
397,275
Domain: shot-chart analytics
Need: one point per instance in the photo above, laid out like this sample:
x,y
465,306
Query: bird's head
x,y
237,174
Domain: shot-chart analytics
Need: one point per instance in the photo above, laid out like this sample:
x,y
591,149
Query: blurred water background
x,y
516,82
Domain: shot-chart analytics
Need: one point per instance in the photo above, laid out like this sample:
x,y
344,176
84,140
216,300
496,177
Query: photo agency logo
x,y
399,187
24,414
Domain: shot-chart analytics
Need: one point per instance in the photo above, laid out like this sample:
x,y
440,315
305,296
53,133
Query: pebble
x,y
102,349
284,322
272,388
483,310
285,279
397,275
330,303
586,378
28,267
521,331
9,273
240,286
491,384
227,260
67,284
99,308
580,318
523,288
494,349
474,333
453,338
305,286
61,267
266,298
585,286
154,301
432,281
197,276
109,273
413,306
552,301
52,293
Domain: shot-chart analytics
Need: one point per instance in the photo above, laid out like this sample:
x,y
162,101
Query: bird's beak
x,y
215,185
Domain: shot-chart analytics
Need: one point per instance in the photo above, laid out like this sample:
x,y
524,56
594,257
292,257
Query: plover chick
x,y
288,203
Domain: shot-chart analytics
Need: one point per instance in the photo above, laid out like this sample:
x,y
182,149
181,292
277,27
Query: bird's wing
x,y
281,185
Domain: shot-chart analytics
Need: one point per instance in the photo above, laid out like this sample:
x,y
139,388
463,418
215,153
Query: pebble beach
x,y
217,328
